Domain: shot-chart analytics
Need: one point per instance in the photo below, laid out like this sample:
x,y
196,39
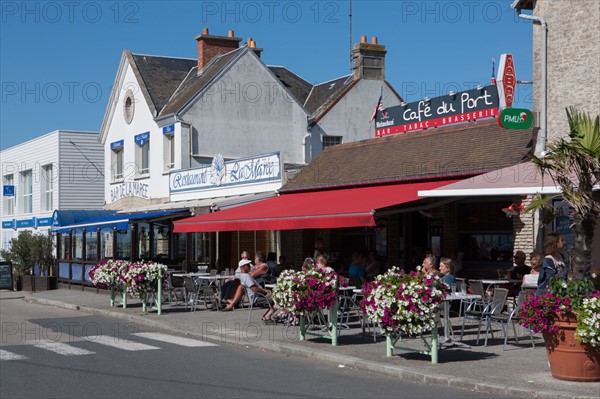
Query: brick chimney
x,y
369,59
252,45
211,46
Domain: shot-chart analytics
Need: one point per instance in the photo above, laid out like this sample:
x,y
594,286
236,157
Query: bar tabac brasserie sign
x,y
465,106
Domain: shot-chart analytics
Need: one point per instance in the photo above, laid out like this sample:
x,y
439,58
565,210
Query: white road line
x,y
6,355
118,343
63,349
174,339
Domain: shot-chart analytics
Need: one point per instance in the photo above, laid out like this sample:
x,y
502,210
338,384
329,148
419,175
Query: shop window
x,y
123,244
160,249
47,188
106,243
77,245
91,245
27,196
9,201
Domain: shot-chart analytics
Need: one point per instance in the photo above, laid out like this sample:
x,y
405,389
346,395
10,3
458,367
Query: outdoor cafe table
x,y
492,282
456,296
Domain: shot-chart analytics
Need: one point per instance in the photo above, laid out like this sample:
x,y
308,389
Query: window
x,y
91,245
9,202
128,106
47,187
27,199
117,163
169,151
142,153
328,141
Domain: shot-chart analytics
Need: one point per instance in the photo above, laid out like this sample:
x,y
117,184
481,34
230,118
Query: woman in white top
x,y
531,280
323,264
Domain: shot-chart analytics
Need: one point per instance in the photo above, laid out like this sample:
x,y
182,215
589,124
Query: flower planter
x,y
38,283
569,359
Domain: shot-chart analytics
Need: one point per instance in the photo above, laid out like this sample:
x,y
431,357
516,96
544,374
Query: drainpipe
x,y
541,144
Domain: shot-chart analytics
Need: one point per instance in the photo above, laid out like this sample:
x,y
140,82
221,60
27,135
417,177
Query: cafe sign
x,y
470,105
220,174
515,118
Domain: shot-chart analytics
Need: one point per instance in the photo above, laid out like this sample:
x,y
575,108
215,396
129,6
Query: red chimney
x,y
211,46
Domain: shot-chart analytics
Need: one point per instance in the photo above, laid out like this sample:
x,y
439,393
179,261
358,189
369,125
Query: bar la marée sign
x,y
465,106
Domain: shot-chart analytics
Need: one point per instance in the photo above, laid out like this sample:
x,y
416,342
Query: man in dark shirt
x,y
520,268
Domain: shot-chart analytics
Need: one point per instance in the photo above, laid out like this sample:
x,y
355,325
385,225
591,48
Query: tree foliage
x,y
573,163
27,250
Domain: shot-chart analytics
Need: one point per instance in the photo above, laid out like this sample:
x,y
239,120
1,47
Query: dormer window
x,y
128,106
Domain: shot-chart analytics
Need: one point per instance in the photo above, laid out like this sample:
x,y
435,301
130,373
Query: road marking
x,y
6,355
118,343
63,349
174,339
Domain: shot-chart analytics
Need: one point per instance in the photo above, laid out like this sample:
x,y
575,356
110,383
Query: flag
x,y
378,107
493,73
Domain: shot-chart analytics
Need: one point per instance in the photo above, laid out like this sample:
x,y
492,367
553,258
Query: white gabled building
x,y
59,170
173,120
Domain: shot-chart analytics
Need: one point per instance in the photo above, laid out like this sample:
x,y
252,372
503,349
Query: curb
x,y
401,373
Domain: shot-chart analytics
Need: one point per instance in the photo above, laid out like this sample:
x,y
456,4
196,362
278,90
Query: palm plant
x,y
574,165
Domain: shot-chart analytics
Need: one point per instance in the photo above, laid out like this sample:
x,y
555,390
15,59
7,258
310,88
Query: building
x,y
59,170
572,51
372,201
176,129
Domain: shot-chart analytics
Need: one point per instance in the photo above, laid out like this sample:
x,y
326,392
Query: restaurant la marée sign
x,y
453,108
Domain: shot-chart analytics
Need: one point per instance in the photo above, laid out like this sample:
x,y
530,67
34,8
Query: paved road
x,y
48,352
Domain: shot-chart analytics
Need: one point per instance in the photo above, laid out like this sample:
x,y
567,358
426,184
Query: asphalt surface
x,y
52,352
520,371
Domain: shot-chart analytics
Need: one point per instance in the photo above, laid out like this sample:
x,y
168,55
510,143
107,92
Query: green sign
x,y
515,118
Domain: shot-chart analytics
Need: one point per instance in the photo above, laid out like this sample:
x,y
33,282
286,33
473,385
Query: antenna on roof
x,y
350,15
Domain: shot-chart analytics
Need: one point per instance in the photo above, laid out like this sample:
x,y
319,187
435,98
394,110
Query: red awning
x,y
310,210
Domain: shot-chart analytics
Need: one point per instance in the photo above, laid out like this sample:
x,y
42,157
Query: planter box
x,y
38,283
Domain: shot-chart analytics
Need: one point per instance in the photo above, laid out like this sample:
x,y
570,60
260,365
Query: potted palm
x,y
574,165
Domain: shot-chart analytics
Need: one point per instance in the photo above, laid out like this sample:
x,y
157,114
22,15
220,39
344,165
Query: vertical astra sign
x,y
507,81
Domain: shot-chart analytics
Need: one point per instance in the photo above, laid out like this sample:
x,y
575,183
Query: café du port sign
x,y
470,105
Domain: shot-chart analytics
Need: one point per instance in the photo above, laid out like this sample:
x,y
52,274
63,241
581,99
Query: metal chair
x,y
474,311
191,293
505,319
256,299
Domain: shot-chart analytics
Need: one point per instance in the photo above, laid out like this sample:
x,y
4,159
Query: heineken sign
x,y
460,107
515,118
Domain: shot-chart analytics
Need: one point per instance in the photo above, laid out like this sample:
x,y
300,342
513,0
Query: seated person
x,y
249,285
260,271
308,264
429,265
323,264
520,268
531,280
356,273
230,285
373,267
447,270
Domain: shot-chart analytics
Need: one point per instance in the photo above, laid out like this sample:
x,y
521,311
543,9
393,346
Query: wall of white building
x,y
246,112
70,182
350,117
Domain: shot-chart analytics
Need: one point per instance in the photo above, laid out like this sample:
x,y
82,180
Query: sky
x,y
59,59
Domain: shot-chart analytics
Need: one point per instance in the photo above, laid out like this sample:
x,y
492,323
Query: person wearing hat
x,y
249,285
230,285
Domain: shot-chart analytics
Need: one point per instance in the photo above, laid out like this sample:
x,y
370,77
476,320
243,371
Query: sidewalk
x,y
520,371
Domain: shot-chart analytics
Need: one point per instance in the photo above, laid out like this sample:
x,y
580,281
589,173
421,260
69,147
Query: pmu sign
x,y
507,81
515,118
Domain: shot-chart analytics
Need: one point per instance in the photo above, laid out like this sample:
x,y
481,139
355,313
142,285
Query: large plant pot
x,y
570,360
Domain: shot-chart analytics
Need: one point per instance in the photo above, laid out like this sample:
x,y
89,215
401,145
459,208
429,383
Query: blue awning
x,y
67,217
120,221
